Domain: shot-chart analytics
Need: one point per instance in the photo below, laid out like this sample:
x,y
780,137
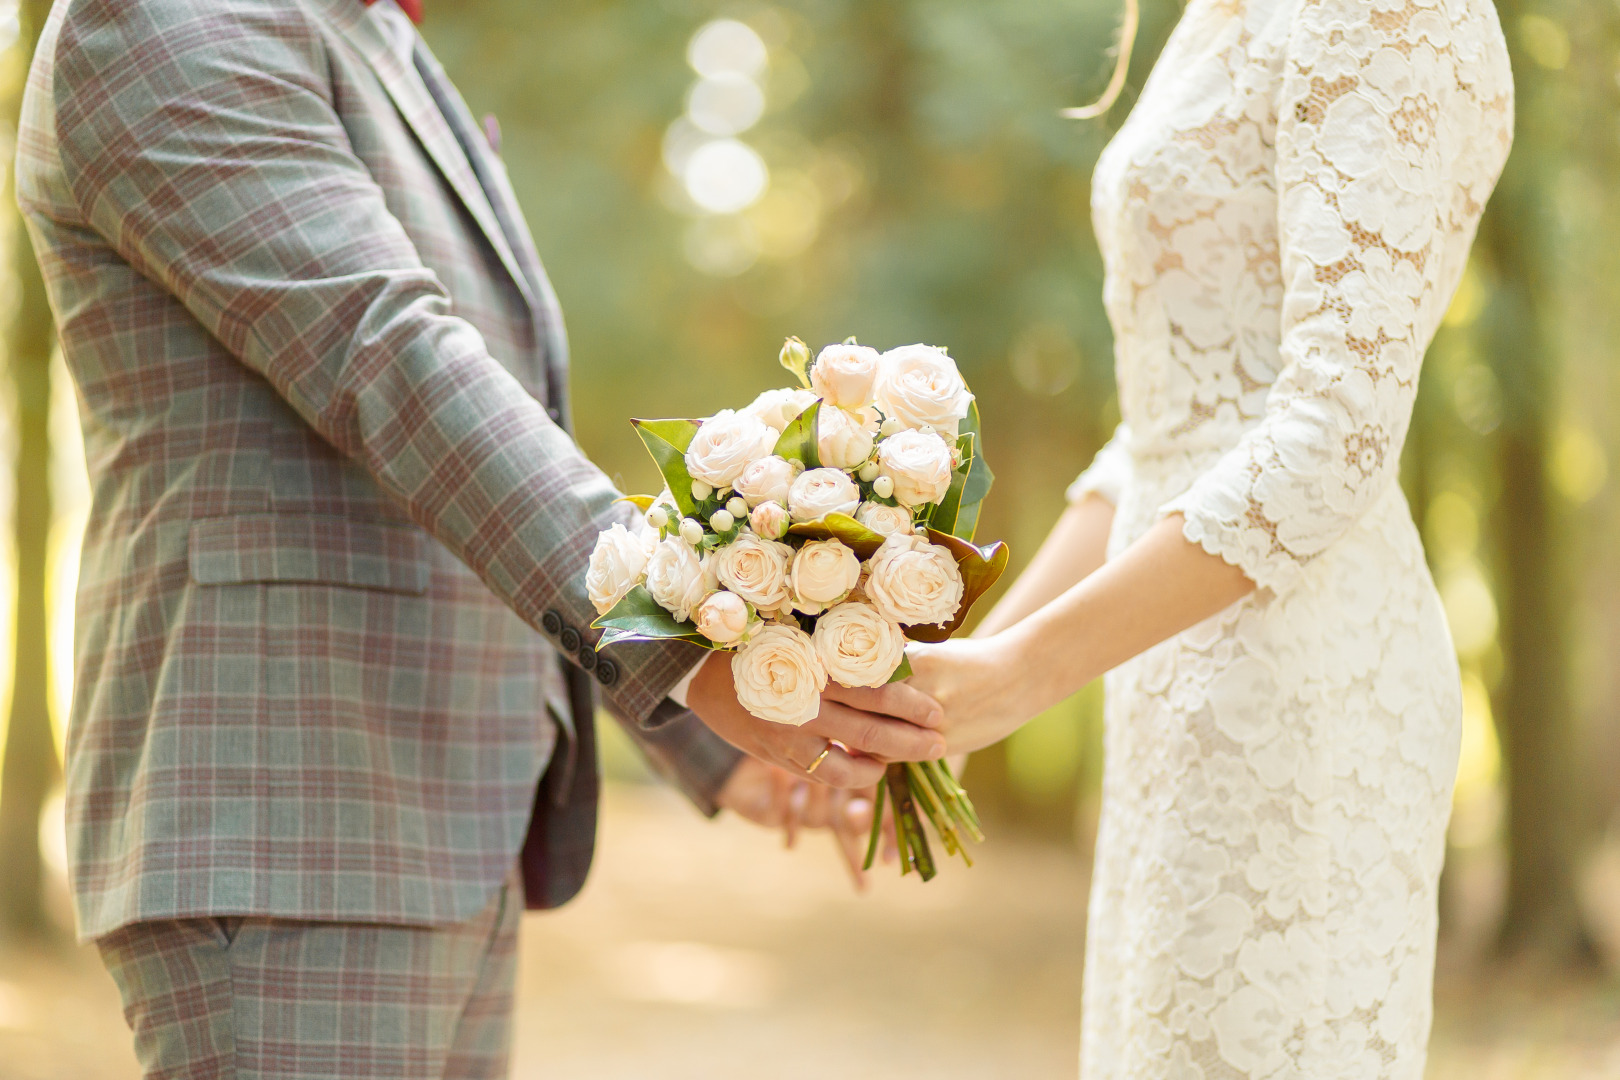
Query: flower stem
x,y
877,826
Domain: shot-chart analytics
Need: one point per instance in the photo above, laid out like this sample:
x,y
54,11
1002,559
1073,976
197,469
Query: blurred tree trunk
x,y
1520,242
30,763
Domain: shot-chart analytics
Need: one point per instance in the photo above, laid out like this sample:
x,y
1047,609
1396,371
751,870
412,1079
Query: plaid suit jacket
x,y
338,530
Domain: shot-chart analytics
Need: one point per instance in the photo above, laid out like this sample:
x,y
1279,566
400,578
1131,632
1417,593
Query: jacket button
x,y
569,639
551,622
555,414
607,672
587,657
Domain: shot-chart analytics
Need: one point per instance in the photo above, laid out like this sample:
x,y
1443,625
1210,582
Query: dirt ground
x,y
703,950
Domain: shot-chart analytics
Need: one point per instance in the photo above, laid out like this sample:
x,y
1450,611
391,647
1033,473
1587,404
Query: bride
x,y
1284,217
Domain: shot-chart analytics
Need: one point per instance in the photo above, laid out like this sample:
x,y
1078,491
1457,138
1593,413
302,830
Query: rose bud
x,y
722,617
770,520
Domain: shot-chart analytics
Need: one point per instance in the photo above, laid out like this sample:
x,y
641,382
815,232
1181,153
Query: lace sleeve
x,y
1391,132
1108,471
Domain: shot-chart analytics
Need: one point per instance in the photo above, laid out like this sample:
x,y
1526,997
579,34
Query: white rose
x,y
842,442
884,520
778,408
914,582
722,617
725,444
919,463
920,386
755,569
677,579
770,520
767,479
822,573
778,675
819,492
617,563
858,646
844,375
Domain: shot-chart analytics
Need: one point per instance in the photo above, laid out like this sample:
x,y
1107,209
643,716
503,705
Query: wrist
x,y
710,685
1042,677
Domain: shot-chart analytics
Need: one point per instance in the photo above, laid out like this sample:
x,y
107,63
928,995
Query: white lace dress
x,y
1284,217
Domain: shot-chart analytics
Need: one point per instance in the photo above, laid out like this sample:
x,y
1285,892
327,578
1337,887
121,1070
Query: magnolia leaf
x,y
640,502
980,567
639,617
948,510
857,537
617,637
798,442
667,441
980,479
903,671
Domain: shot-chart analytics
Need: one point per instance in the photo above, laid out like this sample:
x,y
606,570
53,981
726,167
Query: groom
x,y
323,748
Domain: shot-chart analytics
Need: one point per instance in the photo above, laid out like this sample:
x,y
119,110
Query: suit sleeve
x,y
201,141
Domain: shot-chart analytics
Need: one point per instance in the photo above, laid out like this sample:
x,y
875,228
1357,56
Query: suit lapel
x,y
411,96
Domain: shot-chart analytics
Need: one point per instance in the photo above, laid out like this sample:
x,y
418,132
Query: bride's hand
x,y
976,681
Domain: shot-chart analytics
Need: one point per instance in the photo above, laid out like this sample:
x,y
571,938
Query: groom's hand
x,y
872,727
775,799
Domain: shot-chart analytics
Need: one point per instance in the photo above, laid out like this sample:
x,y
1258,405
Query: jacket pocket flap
x,y
311,550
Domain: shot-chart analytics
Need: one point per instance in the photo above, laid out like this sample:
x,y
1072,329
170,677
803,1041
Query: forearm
x,y
1075,548
1158,587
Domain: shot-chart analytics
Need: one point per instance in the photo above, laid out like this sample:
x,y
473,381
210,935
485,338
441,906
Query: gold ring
x,y
816,764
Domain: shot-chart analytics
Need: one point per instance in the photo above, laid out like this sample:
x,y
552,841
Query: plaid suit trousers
x,y
278,999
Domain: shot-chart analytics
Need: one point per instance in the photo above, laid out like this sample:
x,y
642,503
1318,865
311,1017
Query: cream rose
x,y
844,375
725,444
822,573
914,582
819,492
617,564
920,386
677,579
858,646
919,464
767,479
883,519
770,520
842,441
755,569
778,675
778,408
722,617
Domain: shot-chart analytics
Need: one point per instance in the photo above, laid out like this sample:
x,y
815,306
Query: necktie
x,y
412,8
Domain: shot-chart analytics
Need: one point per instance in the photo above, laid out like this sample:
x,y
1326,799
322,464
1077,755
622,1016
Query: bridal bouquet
x,y
813,533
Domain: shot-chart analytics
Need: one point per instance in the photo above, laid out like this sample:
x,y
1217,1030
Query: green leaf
x,y
667,441
798,442
638,617
980,479
980,567
903,671
858,537
948,510
640,502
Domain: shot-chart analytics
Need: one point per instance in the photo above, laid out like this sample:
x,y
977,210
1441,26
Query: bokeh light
x,y
727,47
725,176
725,104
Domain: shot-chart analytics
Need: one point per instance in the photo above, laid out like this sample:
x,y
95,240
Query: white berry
x,y
883,487
868,472
657,517
736,507
692,531
701,491
722,521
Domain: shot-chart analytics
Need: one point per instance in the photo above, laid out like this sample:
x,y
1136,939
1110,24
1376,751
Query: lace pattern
x,y
1284,217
